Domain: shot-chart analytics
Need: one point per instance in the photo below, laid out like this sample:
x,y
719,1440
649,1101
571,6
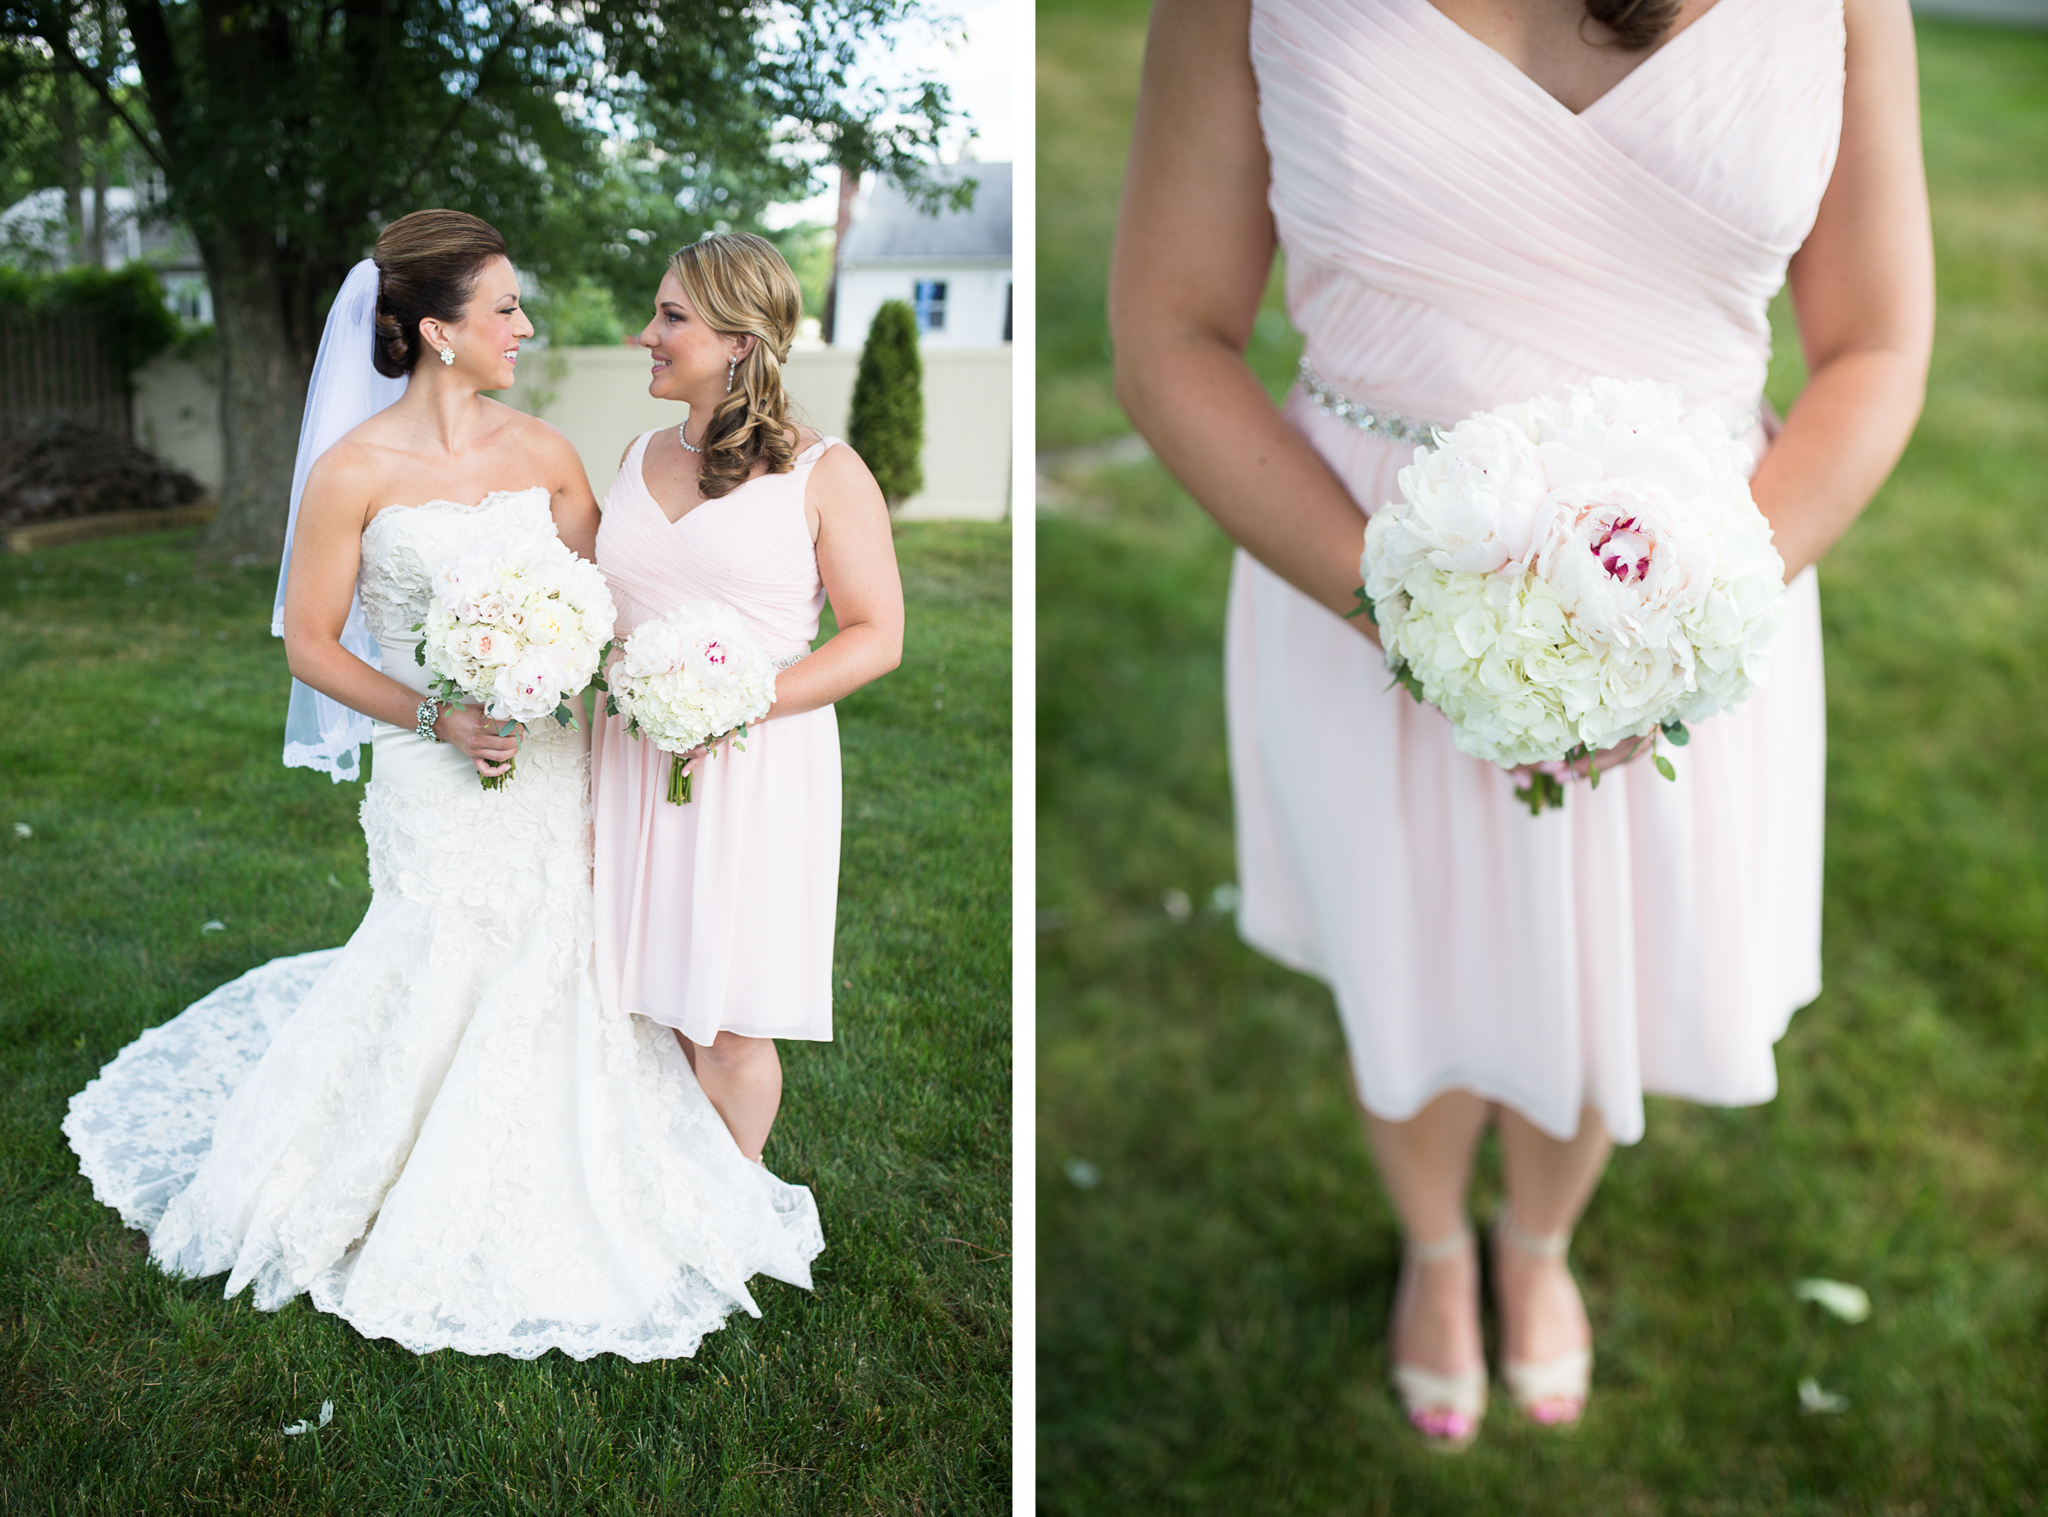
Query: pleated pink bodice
x,y
751,549
1457,239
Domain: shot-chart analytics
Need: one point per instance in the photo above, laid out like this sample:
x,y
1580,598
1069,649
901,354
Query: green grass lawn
x,y
1216,1262
146,704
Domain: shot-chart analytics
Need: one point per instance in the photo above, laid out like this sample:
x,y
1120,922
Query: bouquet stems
x,y
678,782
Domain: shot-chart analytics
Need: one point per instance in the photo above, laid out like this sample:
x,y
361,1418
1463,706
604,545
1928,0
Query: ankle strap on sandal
x,y
1449,1246
1537,1245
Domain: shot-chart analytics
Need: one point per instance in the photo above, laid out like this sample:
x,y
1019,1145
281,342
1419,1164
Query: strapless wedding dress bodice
x,y
403,548
432,1130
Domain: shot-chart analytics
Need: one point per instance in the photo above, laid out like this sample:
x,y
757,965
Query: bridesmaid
x,y
715,918
1480,201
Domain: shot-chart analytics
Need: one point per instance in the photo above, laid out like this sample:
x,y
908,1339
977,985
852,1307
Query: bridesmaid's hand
x,y
467,728
1609,759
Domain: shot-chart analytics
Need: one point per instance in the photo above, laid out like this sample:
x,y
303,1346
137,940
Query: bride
x,y
432,1130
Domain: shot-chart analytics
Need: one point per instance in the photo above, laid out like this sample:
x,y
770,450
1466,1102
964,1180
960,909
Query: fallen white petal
x,y
1081,1174
214,927
1848,1302
23,830
1813,1399
326,1416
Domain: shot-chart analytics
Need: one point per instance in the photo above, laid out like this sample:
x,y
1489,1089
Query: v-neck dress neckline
x,y
1528,82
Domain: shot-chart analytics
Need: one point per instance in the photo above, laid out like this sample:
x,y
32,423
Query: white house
x,y
35,226
953,268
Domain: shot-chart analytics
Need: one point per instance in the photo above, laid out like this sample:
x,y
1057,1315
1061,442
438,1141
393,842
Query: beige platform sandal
x,y
1550,1391
1445,1409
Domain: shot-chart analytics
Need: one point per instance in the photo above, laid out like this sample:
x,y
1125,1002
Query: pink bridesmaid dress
x,y
1457,239
718,915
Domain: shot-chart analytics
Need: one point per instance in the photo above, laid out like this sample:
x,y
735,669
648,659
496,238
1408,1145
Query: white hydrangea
x,y
517,625
692,677
1574,571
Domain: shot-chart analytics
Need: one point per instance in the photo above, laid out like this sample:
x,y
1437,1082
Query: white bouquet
x,y
689,679
1569,573
518,625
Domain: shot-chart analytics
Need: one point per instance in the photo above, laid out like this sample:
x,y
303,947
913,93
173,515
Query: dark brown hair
x,y
1635,23
739,283
428,264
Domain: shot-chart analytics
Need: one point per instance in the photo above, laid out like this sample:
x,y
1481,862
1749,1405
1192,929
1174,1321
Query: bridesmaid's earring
x,y
448,355
729,368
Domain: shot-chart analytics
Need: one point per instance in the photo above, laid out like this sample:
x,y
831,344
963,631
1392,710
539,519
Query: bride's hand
x,y
467,728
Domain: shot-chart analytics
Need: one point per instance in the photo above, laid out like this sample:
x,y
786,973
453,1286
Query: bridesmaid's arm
x,y
573,504
857,561
1863,289
327,550
1194,247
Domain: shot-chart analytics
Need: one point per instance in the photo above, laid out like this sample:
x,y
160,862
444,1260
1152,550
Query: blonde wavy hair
x,y
739,284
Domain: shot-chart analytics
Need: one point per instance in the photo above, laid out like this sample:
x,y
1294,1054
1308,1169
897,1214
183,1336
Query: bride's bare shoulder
x,y
541,441
351,475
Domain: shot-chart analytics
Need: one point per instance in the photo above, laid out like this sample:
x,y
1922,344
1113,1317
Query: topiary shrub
x,y
886,423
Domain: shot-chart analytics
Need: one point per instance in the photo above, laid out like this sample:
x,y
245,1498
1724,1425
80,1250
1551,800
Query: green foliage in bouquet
x,y
886,423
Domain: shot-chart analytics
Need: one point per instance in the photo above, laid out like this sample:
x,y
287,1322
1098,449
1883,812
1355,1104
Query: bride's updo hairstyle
x,y
428,264
1635,23
739,284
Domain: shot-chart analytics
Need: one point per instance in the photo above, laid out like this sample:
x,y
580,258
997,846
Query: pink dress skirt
x,y
718,915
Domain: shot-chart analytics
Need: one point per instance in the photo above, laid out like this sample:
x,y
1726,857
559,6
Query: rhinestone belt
x,y
1395,426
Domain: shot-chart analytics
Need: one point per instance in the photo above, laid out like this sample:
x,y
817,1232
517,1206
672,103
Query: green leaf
x,y
1363,608
1676,732
1664,767
1593,775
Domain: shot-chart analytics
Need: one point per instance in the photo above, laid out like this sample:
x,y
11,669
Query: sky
x,y
977,69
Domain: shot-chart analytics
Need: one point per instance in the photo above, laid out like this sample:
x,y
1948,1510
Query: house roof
x,y
893,229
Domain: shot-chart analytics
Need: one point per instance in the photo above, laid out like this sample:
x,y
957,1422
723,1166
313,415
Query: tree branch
x,y
48,28
461,106
159,67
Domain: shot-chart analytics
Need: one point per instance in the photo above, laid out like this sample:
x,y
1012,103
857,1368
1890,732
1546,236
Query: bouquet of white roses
x,y
518,625
1569,573
690,679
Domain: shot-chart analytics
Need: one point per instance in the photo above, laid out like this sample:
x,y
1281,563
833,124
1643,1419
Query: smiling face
x,y
486,340
690,359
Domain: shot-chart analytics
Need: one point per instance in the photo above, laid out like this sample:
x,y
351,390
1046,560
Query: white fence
x,y
598,396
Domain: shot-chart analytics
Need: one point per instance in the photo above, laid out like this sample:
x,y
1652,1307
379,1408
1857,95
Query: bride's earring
x,y
729,368
448,355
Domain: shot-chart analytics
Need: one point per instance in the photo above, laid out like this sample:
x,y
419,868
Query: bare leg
x,y
1426,1164
1548,1183
743,1078
689,1049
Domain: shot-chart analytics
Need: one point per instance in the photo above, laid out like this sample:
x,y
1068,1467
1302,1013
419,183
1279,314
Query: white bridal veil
x,y
320,732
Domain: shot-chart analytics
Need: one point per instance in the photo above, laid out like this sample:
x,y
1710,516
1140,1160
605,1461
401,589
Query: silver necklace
x,y
685,441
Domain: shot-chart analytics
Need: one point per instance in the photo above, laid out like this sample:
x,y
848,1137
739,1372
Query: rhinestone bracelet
x,y
784,663
424,719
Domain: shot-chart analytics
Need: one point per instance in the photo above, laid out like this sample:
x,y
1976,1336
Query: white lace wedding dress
x,y
433,1130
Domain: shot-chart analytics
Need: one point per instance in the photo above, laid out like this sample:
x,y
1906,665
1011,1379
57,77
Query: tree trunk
x,y
70,159
265,367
